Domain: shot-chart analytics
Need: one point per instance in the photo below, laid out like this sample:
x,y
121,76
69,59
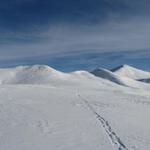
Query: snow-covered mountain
x,y
106,74
36,74
72,111
42,74
131,72
117,78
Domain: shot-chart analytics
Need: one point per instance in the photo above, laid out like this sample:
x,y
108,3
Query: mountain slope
x,y
37,74
131,72
116,78
42,74
85,116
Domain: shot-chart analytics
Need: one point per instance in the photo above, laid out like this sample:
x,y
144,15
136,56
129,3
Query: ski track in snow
x,y
115,140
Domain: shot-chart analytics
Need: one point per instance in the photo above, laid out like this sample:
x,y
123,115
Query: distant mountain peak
x,y
122,67
36,67
130,72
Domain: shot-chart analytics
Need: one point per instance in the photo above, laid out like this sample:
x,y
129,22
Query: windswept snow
x,y
131,72
37,74
42,74
116,78
45,109
116,141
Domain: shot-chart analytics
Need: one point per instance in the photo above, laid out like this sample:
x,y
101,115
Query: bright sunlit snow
x,y
44,109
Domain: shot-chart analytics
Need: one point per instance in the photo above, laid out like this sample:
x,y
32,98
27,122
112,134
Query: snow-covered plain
x,y
44,109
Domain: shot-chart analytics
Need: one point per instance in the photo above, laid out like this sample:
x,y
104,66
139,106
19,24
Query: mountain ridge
x,y
43,74
131,72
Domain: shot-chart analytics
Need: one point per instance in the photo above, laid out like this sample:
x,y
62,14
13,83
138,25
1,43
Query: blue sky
x,y
75,34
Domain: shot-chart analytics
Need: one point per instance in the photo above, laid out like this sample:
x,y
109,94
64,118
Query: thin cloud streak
x,y
66,40
60,30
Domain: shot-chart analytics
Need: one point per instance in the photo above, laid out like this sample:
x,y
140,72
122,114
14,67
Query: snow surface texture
x,y
44,109
131,72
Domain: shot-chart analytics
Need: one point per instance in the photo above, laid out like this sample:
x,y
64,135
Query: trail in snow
x,y
115,140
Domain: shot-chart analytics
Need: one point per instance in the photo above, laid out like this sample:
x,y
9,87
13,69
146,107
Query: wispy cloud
x,y
67,40
35,29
